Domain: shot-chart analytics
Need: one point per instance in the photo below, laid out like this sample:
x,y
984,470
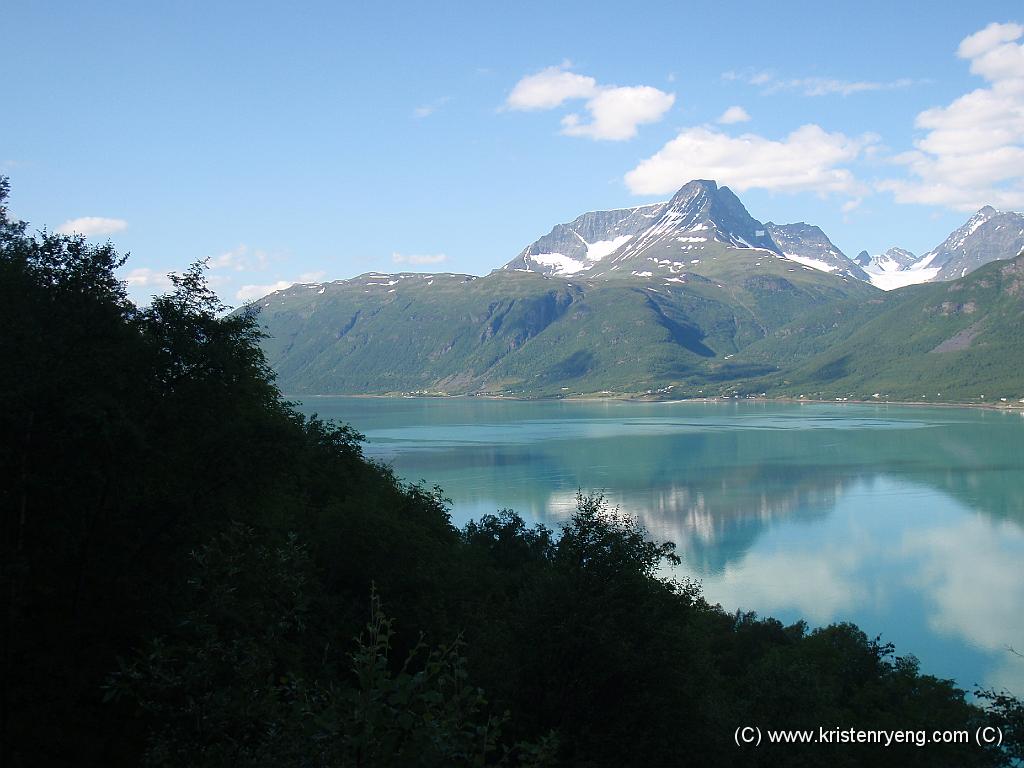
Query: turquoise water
x,y
907,521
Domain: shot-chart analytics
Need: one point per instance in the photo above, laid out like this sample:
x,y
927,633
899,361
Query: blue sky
x,y
324,140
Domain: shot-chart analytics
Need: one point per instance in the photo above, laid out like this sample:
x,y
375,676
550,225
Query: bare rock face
x,y
987,236
808,244
584,241
701,219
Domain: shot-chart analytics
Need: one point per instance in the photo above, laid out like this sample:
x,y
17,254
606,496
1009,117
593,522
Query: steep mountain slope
x,y
406,332
575,246
892,260
808,245
987,236
700,221
962,341
527,334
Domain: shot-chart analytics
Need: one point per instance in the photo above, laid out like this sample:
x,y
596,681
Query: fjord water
x,y
907,521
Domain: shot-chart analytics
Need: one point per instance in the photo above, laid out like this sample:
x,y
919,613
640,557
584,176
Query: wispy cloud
x,y
615,112
240,259
426,110
972,153
770,83
143,282
90,226
416,258
146,278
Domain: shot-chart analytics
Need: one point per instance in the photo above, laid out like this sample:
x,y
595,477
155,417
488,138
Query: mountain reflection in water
x,y
908,521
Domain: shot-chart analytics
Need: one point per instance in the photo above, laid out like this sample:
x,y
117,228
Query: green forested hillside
x,y
743,325
961,341
193,574
525,334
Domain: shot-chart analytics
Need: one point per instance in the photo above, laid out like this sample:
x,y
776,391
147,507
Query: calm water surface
x,y
907,521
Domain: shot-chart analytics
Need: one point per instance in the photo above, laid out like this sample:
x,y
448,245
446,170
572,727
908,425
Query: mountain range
x,y
702,213
689,297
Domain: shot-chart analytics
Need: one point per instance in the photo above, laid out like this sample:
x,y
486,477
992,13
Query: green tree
x,y
246,679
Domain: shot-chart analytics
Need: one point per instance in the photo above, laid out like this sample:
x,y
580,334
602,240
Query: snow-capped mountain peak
x,y
703,221
699,212
986,236
893,260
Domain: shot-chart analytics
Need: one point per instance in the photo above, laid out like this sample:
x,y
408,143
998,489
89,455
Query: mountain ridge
x,y
702,214
698,299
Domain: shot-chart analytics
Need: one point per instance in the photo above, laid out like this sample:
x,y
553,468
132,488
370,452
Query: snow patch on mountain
x,y
889,281
821,266
600,249
558,263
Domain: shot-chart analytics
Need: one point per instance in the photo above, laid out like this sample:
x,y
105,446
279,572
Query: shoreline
x,y
1008,406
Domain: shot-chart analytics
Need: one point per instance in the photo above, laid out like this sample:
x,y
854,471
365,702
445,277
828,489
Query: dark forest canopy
x,y
194,574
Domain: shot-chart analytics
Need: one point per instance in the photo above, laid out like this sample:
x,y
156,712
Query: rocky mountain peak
x,y
701,212
702,218
806,244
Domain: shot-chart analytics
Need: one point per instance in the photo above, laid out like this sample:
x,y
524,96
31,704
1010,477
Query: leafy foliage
x,y
237,682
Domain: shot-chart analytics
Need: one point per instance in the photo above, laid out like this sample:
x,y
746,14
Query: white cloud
x,y
253,292
148,279
809,158
615,112
549,88
91,226
415,258
988,39
239,259
972,152
734,114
